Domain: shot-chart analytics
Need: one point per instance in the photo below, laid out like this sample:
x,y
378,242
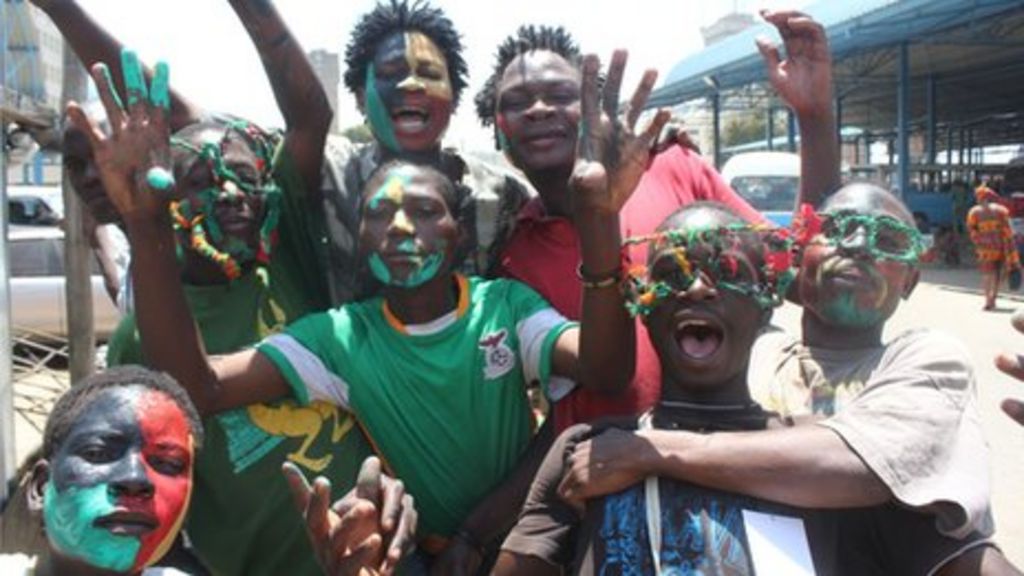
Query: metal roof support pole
x,y
949,144
932,138
77,253
769,127
867,147
7,463
903,118
856,149
716,121
790,130
961,143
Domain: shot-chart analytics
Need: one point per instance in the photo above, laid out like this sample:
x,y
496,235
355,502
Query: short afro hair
x,y
80,396
394,16
526,39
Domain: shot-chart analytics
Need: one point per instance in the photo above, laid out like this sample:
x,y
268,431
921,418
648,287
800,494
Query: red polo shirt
x,y
543,252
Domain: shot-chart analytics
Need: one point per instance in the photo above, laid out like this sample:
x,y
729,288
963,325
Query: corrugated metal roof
x,y
973,48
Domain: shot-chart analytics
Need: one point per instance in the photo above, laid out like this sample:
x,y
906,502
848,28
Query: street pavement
x,y
946,299
950,300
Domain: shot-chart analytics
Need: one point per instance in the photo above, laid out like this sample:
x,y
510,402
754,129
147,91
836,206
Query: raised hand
x,y
804,79
349,537
134,160
1013,364
612,156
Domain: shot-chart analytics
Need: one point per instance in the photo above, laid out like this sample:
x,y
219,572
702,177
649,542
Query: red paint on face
x,y
167,453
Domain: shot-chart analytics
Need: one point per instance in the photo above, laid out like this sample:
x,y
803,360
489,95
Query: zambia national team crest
x,y
498,357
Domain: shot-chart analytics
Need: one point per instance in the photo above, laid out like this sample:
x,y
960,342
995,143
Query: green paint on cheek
x,y
379,269
426,271
377,113
69,517
844,311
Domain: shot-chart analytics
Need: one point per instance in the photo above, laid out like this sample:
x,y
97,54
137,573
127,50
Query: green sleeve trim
x,y
278,359
546,351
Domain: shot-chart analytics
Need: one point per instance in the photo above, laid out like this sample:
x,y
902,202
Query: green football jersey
x,y
445,403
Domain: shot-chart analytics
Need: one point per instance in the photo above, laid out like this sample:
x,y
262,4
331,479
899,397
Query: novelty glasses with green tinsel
x,y
199,220
752,260
883,237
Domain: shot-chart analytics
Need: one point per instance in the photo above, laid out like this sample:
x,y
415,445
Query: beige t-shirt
x,y
907,408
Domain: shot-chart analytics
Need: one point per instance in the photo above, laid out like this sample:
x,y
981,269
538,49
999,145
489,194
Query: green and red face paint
x,y
121,482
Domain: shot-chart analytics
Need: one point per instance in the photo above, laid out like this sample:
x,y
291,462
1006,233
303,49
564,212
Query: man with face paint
x,y
115,477
888,422
405,68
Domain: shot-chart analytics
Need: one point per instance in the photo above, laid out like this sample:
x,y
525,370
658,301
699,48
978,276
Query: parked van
x,y
768,181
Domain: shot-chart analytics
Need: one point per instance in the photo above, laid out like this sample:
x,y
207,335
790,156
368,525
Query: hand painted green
x,y
134,81
160,93
105,72
159,179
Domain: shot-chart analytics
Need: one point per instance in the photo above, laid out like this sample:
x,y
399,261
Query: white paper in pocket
x,y
778,545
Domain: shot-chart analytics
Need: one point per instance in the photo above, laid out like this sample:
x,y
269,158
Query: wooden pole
x,y
7,464
77,251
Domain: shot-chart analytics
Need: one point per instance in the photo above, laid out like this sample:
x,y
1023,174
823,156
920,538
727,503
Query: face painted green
x,y
426,269
377,113
844,310
69,518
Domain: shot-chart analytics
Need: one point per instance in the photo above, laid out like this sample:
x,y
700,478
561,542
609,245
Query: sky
x,y
214,64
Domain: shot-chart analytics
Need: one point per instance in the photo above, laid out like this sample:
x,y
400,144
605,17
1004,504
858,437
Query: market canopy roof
x,y
973,49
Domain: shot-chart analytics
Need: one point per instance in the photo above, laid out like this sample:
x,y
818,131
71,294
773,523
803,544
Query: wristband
x,y
605,280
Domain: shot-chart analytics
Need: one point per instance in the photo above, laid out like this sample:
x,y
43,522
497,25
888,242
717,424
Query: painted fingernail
x,y
160,93
135,84
159,179
105,72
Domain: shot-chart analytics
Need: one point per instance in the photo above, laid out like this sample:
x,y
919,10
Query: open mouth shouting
x,y
411,119
699,339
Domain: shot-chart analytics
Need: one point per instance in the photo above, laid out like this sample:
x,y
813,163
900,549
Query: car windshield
x,y
768,193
